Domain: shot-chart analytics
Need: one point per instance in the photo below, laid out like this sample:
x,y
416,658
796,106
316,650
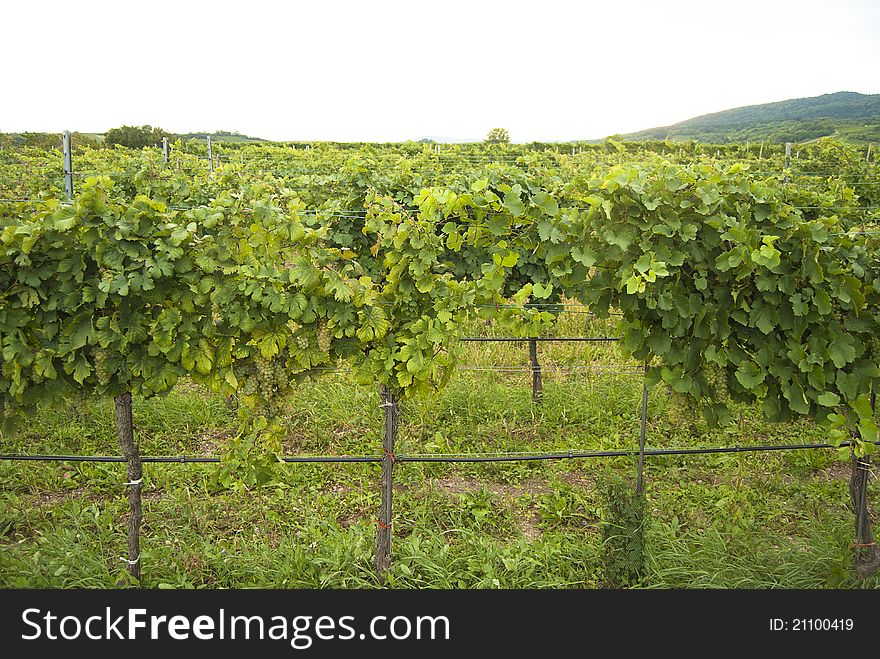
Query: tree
x,y
135,137
498,136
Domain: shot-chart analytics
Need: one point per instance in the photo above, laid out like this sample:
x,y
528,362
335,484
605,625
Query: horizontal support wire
x,y
855,233
529,369
506,369
598,339
835,176
442,457
104,173
836,208
181,459
52,176
529,305
33,201
572,455
281,164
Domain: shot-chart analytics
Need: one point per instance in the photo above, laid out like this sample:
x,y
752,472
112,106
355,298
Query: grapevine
x,y
735,287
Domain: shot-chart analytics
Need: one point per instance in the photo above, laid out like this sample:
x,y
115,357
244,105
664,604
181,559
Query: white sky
x,y
382,70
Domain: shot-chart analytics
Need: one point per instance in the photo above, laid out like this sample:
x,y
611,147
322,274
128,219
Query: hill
x,y
849,116
221,136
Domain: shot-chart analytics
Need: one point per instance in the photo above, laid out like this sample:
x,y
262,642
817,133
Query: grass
x,y
758,520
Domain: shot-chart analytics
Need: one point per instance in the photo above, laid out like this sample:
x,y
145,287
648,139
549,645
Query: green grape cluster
x,y
324,336
679,407
874,349
245,374
271,376
717,379
264,379
104,376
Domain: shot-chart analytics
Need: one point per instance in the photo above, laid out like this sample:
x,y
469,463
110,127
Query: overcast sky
x,y
380,70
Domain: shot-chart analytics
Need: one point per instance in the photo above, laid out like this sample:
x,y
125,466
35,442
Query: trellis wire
x,y
516,339
444,457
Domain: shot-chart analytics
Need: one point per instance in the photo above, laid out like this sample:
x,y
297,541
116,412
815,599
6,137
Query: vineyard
x,y
627,364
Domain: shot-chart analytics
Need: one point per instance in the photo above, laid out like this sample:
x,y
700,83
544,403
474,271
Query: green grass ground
x,y
754,520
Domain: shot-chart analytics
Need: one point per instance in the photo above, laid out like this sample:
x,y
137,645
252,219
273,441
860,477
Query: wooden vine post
x,y
125,430
537,385
382,558
866,556
643,431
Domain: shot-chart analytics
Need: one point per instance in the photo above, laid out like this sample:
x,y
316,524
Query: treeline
x,y
220,136
47,140
132,137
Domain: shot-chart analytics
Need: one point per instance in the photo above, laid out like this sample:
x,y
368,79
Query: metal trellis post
x,y
165,150
68,164
787,161
210,155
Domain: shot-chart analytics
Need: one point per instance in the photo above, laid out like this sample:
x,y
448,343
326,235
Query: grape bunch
x,y
104,376
717,379
679,407
264,379
324,336
874,349
271,376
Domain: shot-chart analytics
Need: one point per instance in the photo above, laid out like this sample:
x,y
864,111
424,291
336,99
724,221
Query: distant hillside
x,y
846,115
221,136
434,139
